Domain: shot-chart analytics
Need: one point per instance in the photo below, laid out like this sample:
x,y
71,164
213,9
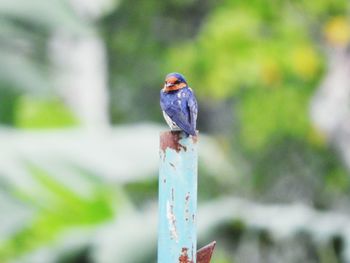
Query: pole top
x,y
172,140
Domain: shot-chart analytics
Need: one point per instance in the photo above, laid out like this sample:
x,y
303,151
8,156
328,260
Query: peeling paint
x,y
172,222
192,249
172,165
187,210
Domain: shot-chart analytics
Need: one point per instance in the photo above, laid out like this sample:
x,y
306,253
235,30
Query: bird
x,y
179,104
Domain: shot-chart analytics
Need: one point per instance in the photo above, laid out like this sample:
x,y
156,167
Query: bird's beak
x,y
169,85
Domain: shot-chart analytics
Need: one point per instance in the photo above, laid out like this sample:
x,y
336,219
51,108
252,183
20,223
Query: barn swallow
x,y
178,103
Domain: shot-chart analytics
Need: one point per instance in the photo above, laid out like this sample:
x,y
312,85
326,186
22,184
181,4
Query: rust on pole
x,y
177,237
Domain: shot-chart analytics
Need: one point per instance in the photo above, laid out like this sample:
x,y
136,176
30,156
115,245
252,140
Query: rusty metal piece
x,y
204,254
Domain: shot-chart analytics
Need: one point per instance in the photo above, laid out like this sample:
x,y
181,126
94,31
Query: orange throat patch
x,y
175,87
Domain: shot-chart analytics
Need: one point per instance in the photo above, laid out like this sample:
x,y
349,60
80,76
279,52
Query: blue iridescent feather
x,y
180,106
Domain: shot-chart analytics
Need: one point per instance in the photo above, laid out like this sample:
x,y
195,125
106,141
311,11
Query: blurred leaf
x,y
25,31
267,112
305,62
337,31
59,208
141,192
8,99
49,15
245,46
20,71
35,113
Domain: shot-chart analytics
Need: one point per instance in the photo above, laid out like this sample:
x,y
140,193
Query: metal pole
x,y
177,240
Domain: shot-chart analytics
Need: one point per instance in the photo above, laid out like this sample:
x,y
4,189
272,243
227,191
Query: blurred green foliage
x,y
262,55
8,100
265,58
32,113
138,37
58,208
25,29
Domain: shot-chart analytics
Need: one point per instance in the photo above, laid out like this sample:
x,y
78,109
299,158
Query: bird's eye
x,y
177,82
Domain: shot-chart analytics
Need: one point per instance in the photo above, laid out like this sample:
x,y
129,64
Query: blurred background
x,y
80,120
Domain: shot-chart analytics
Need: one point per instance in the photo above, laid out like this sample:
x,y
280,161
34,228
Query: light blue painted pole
x,y
177,241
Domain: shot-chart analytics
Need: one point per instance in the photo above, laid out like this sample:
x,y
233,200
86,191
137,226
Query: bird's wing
x,y
186,118
193,107
181,120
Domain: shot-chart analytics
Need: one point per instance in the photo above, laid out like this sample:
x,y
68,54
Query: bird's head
x,y
174,81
